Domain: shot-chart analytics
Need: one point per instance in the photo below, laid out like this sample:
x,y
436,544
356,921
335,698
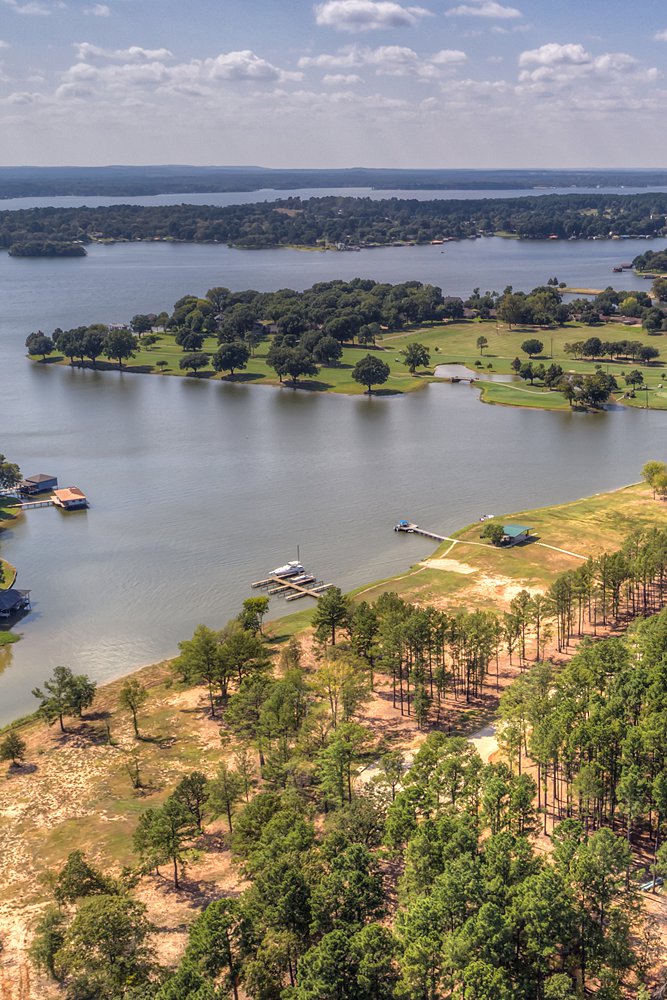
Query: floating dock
x,y
290,589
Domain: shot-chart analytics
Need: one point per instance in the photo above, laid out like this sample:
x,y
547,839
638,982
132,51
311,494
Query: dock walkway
x,y
414,529
33,504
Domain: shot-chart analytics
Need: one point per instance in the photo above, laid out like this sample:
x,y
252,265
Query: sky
x,y
337,83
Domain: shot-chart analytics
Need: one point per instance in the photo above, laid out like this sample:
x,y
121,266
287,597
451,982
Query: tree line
x,y
339,220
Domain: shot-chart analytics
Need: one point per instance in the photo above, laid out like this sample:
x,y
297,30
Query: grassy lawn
x,y
456,344
447,343
8,575
330,379
7,513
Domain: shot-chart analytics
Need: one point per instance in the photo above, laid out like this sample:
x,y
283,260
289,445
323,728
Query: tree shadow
x,y
213,843
312,385
16,770
242,377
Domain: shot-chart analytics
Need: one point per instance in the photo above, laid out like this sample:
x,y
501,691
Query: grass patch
x,y
7,638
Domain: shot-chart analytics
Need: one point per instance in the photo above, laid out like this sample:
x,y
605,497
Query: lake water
x,y
270,194
197,488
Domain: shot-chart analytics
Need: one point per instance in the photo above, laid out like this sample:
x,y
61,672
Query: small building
x,y
514,534
41,483
13,602
71,498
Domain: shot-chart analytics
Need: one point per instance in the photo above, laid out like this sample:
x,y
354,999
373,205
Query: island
x,y
520,349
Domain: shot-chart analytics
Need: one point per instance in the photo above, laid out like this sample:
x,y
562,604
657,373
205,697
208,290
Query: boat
x,y
293,568
487,517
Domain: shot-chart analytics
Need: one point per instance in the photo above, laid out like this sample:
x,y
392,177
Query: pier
x,y
33,504
413,529
283,586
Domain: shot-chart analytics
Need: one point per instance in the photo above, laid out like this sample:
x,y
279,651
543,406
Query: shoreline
x,y
418,383
448,343
293,622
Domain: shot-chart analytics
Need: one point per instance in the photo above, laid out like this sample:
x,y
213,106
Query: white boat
x,y
293,568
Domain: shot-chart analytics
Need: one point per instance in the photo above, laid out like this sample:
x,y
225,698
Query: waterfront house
x,y
13,602
41,483
70,498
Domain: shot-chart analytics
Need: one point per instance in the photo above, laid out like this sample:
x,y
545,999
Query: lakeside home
x,y
71,498
40,483
13,602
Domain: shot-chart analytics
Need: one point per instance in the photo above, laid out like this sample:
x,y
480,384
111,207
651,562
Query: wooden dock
x,y
33,504
283,586
413,529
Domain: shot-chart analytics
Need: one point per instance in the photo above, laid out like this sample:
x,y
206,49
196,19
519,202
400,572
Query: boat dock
x,y
292,590
413,529
33,504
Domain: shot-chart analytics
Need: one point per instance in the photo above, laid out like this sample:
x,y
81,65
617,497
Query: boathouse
x,y
41,483
514,534
71,498
13,602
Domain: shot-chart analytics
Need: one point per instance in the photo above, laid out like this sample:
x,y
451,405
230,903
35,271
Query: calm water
x,y
199,488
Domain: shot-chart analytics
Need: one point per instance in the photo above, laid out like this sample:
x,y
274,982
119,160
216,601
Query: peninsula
x,y
320,744
530,350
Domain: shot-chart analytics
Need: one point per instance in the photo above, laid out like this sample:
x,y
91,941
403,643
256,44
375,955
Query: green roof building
x,y
513,533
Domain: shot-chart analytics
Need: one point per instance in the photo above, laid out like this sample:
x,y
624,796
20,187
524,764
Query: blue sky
x,y
407,83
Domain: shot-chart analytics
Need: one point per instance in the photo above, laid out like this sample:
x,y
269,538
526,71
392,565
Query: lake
x,y
197,488
271,194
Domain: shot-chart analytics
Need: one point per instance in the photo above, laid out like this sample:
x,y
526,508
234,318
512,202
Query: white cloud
x,y
136,74
347,56
367,15
3,45
245,65
388,60
483,8
135,53
449,57
339,79
32,8
661,36
499,29
98,10
562,64
553,54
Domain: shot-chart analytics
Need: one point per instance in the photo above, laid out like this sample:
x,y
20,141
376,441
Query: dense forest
x,y
426,880
652,261
341,221
149,180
